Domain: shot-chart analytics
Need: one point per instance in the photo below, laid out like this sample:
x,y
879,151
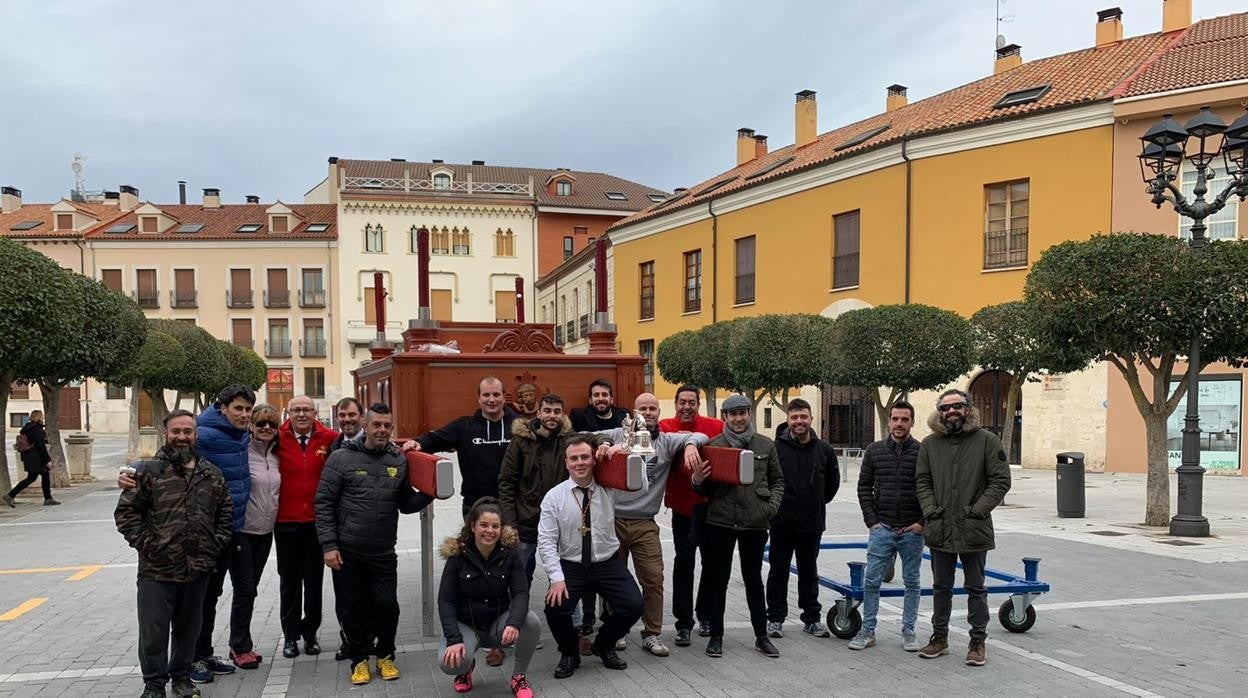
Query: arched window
x,y
440,240
374,238
504,243
461,242
441,181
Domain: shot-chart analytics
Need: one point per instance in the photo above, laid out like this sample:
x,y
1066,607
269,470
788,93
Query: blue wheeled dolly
x,y
1016,615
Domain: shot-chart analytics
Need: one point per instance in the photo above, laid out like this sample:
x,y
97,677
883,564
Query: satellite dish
x,y
1000,41
76,167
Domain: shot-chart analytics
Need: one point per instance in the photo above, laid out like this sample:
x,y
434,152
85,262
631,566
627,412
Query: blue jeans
x,y
882,544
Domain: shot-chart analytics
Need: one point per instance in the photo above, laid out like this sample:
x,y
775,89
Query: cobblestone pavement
x,y
1129,613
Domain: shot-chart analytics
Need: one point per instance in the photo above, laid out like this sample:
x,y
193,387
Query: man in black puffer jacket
x,y
363,489
890,509
811,478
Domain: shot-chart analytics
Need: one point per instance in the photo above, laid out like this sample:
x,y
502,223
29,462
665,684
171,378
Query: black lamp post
x,y
1166,145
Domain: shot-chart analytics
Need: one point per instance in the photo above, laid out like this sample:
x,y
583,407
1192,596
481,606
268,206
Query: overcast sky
x,y
253,97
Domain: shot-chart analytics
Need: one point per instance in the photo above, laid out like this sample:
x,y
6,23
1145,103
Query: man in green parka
x,y
962,474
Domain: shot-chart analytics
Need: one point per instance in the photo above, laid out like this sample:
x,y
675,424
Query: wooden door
x,y
370,305
71,412
147,410
989,393
441,302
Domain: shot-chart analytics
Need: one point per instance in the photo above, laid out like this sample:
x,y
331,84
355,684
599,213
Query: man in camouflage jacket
x,y
179,517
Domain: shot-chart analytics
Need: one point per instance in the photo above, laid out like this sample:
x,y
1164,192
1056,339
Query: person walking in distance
x,y
362,491
688,517
737,517
811,478
483,600
961,475
894,520
32,447
178,516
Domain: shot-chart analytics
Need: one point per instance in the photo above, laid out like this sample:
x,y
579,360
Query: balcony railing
x,y
558,335
277,298
147,299
428,185
1004,249
240,298
183,299
311,347
845,270
249,343
569,331
312,298
277,347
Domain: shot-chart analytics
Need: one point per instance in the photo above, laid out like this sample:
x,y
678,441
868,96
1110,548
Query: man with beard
x,y
961,475
349,412
179,517
688,516
601,413
479,439
363,489
635,527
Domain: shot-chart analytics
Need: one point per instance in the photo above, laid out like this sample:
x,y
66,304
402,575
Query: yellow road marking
x,y
28,605
85,572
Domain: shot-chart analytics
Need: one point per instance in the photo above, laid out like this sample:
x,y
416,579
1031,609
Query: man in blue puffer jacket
x,y
222,436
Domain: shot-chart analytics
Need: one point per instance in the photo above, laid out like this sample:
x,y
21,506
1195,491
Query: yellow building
x,y
945,201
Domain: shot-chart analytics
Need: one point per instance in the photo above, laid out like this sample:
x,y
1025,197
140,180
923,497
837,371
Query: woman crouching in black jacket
x,y
483,600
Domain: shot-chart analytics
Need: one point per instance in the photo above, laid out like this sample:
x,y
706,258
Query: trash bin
x,y
1070,491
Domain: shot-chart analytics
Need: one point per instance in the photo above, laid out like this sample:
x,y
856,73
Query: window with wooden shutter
x,y
111,278
743,282
370,305
147,293
184,288
440,304
240,329
277,293
504,306
240,294
693,281
845,250
1006,214
64,221
647,291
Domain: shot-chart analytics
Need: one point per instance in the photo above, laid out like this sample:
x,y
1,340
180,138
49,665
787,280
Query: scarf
x,y
741,440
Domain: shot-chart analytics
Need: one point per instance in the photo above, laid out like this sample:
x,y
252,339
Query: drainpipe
x,y
905,156
710,208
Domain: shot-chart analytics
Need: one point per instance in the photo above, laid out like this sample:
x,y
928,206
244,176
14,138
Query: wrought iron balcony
x,y
277,298
312,347
147,299
183,299
312,298
249,343
277,347
240,298
1004,249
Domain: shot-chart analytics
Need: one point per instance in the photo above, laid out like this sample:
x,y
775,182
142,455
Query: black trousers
x,y
31,476
301,567
208,615
250,554
686,537
369,585
717,547
944,565
168,609
784,545
611,580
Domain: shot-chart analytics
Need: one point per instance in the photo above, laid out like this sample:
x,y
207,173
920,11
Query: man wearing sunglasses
x,y
961,475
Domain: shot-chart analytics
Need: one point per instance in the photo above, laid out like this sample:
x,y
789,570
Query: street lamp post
x,y
1166,145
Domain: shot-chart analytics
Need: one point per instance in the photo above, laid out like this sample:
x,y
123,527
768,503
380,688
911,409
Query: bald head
x,y
647,405
302,413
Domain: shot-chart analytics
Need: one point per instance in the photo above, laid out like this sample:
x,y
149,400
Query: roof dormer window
x,y
64,221
149,224
563,188
441,180
280,224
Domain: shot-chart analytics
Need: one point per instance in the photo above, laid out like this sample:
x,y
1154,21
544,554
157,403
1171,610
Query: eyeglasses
x,y
302,410
266,425
959,406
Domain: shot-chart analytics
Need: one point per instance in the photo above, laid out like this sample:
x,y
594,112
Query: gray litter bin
x,y
1070,491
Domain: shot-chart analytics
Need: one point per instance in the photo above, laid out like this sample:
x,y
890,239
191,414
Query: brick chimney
x,y
760,146
1175,15
745,145
805,119
10,199
212,198
896,98
1009,56
129,198
112,198
1108,26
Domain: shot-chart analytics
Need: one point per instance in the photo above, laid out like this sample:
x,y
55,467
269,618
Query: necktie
x,y
587,539
303,442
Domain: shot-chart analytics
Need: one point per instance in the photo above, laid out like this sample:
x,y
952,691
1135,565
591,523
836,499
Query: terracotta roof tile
x,y
223,223
589,189
47,220
1210,51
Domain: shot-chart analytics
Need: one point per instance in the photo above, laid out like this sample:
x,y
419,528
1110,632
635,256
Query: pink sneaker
x,y
463,682
520,687
245,660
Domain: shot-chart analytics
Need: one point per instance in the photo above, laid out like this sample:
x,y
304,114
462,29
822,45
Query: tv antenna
x,y
80,184
1002,19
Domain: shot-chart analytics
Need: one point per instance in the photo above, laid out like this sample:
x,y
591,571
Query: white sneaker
x,y
910,643
775,628
655,646
862,640
620,645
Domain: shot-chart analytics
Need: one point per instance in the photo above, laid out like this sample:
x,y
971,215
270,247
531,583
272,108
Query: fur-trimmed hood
x,y
938,427
452,547
524,428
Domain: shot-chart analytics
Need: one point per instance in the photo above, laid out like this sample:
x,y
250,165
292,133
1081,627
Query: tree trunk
x,y
881,406
711,407
1013,393
132,438
1157,499
160,412
6,482
51,422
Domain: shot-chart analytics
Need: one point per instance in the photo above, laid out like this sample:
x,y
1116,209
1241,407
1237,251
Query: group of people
x,y
233,480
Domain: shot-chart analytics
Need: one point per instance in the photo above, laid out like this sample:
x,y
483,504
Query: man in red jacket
x,y
303,446
688,515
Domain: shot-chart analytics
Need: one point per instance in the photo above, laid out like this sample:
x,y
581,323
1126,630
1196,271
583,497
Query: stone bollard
x,y
149,441
78,456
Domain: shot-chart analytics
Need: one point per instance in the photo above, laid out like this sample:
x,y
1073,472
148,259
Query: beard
x,y
179,454
953,426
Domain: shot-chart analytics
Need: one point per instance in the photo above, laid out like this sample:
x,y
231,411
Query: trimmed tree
x,y
156,366
246,367
772,354
206,370
32,323
1007,338
899,347
1133,299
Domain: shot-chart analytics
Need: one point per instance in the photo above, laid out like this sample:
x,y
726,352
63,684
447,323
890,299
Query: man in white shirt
x,y
577,545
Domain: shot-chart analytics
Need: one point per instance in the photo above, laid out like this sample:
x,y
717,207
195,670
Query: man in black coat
x,y
601,414
363,489
811,478
35,459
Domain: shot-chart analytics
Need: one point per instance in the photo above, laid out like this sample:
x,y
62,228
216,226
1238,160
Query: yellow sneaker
x,y
387,669
360,674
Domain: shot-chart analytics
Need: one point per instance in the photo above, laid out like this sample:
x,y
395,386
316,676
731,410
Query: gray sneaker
x,y
817,629
909,642
862,640
775,628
